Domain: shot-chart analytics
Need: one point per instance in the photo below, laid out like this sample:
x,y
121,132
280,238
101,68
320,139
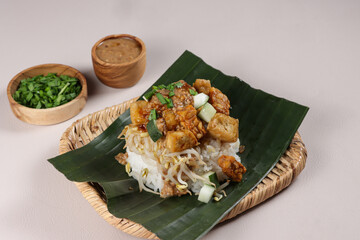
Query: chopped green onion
x,y
170,87
178,84
47,91
161,98
152,115
162,86
169,103
171,94
192,92
149,94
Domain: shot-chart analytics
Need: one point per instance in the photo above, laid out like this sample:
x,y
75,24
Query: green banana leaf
x,y
267,125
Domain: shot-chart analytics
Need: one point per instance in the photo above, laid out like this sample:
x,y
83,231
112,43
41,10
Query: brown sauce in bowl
x,y
118,50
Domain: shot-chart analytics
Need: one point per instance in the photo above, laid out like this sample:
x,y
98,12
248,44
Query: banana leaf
x,y
267,125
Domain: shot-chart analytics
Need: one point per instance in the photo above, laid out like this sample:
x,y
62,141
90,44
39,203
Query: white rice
x,y
146,161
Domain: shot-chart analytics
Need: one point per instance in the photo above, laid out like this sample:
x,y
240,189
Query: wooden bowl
x,y
50,115
119,75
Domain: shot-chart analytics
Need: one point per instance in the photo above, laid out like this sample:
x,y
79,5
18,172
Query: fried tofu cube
x,y
139,112
224,128
177,141
170,119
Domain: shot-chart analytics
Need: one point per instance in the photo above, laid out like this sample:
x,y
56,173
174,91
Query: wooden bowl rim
x,y
81,78
98,60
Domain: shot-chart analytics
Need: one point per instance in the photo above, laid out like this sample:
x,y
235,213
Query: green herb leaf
x,y
178,84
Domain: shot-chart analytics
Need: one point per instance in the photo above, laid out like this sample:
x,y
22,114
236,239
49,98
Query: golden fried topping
x,y
188,120
202,86
219,101
180,117
182,97
232,168
224,128
139,112
177,141
170,119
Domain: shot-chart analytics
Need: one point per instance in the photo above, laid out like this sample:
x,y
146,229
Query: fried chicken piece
x,y
139,112
177,141
232,168
224,128
202,86
219,101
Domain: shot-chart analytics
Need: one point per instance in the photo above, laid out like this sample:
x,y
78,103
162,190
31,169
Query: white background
x,y
305,51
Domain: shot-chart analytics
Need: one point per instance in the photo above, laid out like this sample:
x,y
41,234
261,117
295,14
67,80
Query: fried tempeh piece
x,y
232,168
202,86
219,101
188,120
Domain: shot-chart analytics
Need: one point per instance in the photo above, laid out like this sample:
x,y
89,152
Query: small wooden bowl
x,y
50,115
119,75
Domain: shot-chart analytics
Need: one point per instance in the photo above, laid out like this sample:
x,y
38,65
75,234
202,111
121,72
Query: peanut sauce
x,y
118,50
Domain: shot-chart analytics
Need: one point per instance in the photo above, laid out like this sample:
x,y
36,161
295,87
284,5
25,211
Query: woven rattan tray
x,y
86,129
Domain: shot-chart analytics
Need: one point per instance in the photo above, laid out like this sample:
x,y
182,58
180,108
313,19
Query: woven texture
x,y
86,129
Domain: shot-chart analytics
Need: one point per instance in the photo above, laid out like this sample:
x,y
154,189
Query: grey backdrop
x,y
306,51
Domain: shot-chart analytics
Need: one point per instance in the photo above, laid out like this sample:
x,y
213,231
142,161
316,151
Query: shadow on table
x,y
53,208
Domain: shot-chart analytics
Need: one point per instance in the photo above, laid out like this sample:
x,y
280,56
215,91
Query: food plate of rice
x,y
183,155
181,140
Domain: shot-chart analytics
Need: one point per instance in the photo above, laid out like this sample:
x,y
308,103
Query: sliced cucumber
x,y
200,100
212,177
206,193
207,112
153,131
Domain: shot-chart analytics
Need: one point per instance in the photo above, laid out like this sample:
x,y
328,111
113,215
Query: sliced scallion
x,y
149,94
192,92
169,102
161,98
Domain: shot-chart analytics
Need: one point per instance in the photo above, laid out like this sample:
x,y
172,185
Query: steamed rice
x,y
151,163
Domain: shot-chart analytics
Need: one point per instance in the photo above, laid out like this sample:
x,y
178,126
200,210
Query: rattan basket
x,y
86,129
